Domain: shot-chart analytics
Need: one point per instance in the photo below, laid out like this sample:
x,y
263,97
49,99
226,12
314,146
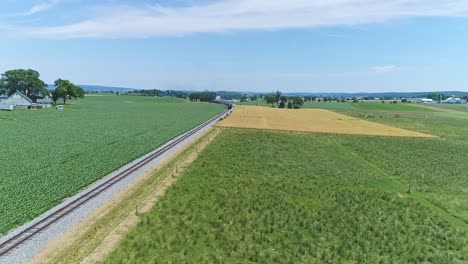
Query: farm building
x,y
17,100
454,100
6,107
46,102
427,101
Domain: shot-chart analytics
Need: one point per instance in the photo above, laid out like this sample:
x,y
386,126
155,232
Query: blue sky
x,y
244,45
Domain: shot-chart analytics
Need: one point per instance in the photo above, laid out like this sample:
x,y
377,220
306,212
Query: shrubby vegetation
x,y
271,197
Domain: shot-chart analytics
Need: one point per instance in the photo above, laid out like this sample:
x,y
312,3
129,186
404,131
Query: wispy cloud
x,y
40,8
239,15
384,69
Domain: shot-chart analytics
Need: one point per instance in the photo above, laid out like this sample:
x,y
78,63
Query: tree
x,y
297,102
65,90
56,95
290,106
270,99
281,104
284,98
437,96
277,96
25,81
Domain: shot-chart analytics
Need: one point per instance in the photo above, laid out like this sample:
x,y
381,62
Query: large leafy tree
x,y
66,90
25,81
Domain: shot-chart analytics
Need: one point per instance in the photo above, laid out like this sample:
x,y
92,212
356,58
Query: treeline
x,y
282,101
194,96
159,93
203,96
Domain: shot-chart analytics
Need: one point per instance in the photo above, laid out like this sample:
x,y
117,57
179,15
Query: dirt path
x,y
95,237
436,108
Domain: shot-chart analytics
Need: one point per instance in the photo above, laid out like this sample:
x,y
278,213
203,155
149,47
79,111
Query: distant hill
x,y
96,88
384,94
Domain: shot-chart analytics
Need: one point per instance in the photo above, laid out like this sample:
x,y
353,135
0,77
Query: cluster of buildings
x,y
450,100
18,100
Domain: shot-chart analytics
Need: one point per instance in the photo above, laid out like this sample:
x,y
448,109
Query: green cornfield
x,y
47,155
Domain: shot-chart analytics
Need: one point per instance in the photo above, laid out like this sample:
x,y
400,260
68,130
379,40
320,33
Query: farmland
x,y
48,155
328,105
436,169
309,120
262,196
399,107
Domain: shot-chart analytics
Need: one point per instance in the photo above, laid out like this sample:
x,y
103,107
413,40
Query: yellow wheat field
x,y
309,120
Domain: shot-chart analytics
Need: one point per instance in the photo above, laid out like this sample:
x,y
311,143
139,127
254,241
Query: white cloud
x,y
40,8
238,15
384,69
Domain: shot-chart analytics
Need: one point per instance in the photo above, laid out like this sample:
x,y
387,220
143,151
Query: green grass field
x,y
457,107
399,107
276,197
328,105
48,155
310,104
435,168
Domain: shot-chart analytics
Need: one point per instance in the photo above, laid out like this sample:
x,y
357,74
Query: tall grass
x,y
273,197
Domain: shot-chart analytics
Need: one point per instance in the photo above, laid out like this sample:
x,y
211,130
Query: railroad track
x,y
15,241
